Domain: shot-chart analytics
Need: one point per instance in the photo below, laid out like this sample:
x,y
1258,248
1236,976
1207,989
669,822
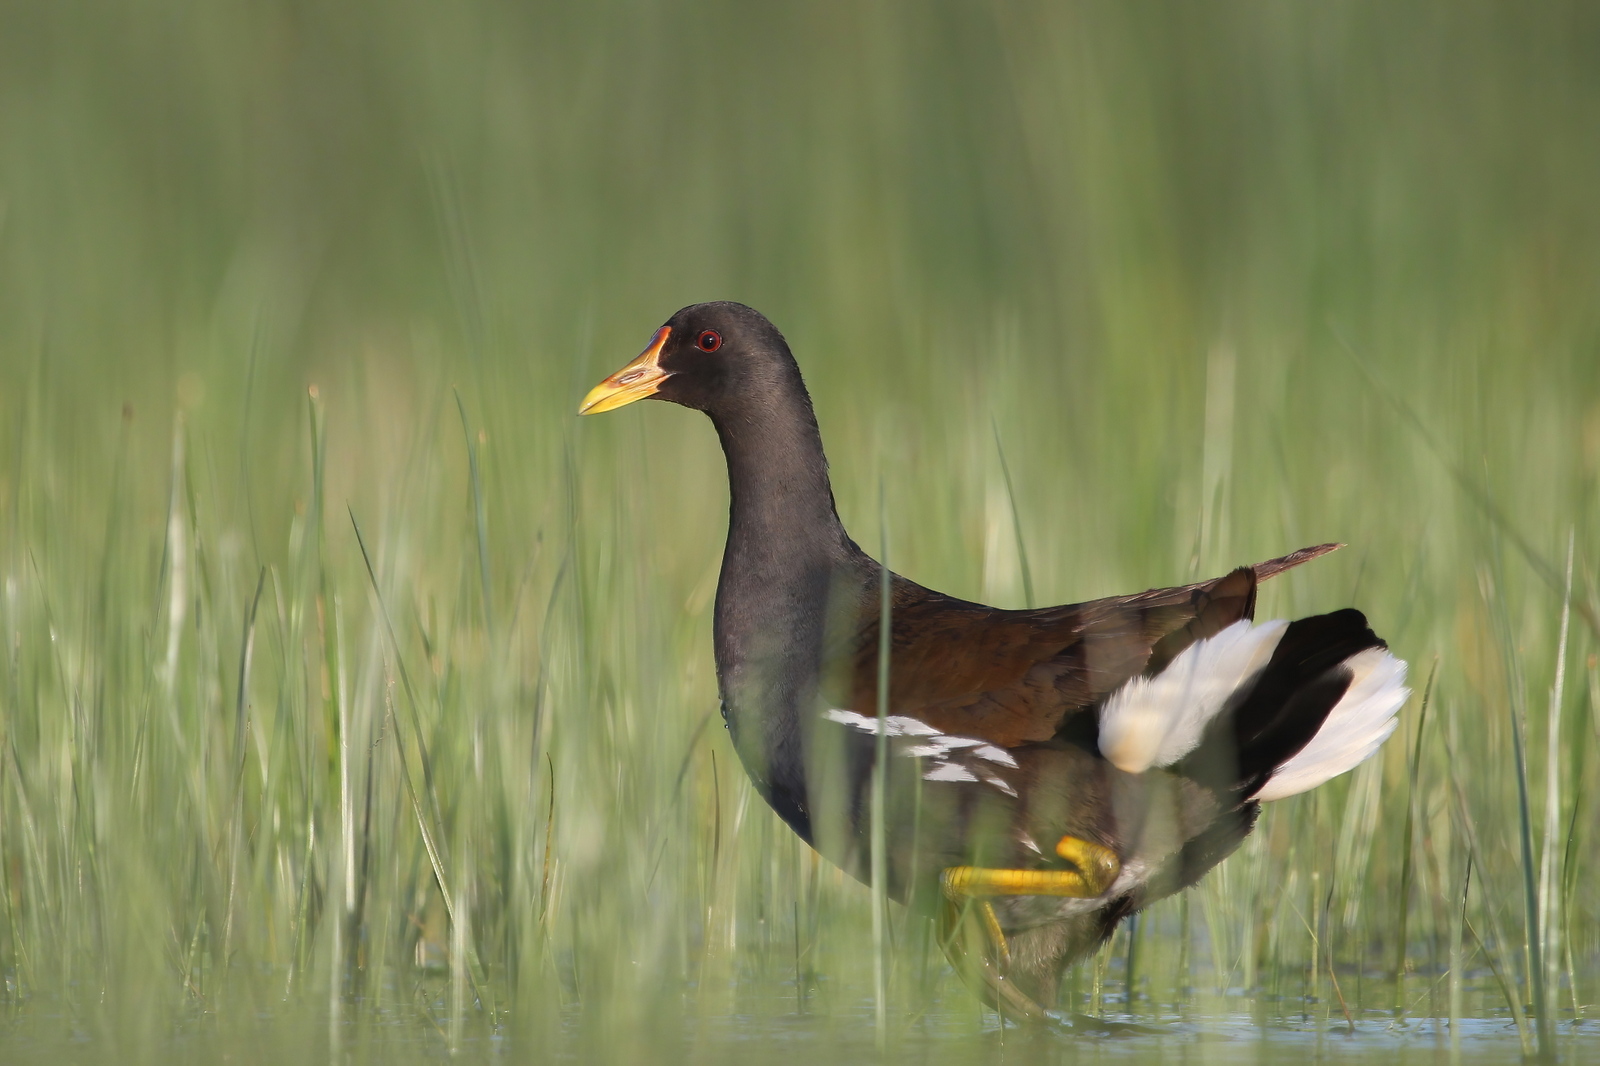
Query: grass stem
x,y
880,773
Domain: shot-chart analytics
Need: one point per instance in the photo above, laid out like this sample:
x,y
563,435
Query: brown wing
x,y
1011,677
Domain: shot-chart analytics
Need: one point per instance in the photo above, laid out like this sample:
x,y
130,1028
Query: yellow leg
x,y
969,930
971,938
1097,868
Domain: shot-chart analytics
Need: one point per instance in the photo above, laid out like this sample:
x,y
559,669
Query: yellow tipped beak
x,y
638,379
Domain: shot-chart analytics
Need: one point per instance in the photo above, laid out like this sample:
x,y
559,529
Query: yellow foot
x,y
971,938
970,933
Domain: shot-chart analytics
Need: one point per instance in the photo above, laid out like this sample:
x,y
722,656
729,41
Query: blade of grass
x,y
1016,519
1407,850
1548,895
1507,987
480,518
405,680
1530,892
880,771
436,858
240,742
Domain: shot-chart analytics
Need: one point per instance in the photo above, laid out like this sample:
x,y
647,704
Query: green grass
x,y
1221,280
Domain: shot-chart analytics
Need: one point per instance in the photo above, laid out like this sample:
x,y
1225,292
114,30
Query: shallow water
x,y
760,1030
738,1039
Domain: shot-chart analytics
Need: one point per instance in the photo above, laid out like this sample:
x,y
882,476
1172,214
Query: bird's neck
x,y
781,510
787,559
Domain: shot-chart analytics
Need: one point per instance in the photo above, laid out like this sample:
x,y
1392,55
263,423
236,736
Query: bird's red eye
x,y
709,341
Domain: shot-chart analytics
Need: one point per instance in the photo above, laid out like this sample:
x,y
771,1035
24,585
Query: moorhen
x,y
1049,771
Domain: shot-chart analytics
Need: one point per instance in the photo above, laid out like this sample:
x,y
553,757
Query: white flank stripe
x,y
1360,722
991,779
895,725
1155,721
940,749
949,771
994,754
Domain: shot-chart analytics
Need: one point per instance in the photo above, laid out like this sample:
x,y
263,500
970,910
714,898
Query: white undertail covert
x,y
1155,721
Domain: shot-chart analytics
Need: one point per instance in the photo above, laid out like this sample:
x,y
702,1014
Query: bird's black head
x,y
707,356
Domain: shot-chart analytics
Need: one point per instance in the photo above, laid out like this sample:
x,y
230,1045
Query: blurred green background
x,y
1221,279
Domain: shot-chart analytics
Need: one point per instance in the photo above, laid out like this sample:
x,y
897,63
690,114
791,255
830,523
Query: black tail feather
x,y
1288,704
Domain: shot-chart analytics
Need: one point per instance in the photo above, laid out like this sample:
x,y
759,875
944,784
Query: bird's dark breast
x,y
771,625
767,747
